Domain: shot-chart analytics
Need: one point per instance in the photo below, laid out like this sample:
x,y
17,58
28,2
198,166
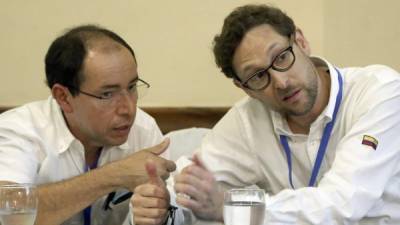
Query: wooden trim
x,y
4,108
174,118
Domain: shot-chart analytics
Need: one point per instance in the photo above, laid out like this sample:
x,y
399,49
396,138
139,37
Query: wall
x,y
362,32
172,40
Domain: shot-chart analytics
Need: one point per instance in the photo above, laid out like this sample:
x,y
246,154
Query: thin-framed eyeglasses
x,y
137,89
281,63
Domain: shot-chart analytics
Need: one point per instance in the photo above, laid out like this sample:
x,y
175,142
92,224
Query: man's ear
x,y
246,90
62,95
237,83
302,42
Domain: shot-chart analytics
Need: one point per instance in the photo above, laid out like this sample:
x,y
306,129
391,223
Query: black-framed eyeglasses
x,y
137,90
281,63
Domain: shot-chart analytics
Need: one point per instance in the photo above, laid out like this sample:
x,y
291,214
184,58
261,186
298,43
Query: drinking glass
x,y
244,207
18,204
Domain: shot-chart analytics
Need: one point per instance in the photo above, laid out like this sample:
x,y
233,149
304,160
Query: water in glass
x,y
244,207
18,204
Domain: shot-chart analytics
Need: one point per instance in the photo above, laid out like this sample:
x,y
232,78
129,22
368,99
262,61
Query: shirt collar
x,y
280,124
64,138
124,146
334,89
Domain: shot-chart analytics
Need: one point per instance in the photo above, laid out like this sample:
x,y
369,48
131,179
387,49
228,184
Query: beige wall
x,y
362,32
172,40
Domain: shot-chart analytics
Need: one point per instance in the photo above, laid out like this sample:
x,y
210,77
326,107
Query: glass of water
x,y
244,207
18,204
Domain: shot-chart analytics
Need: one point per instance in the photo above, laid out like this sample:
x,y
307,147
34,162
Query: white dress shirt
x,y
37,147
357,184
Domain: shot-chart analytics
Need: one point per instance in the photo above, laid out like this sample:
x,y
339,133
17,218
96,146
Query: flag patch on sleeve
x,y
370,141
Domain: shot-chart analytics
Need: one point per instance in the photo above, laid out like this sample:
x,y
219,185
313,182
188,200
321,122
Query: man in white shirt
x,y
322,141
86,146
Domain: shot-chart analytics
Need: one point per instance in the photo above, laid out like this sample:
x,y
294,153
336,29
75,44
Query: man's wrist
x,y
111,172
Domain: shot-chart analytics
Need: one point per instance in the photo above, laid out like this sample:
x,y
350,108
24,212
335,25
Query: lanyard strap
x,y
88,210
324,141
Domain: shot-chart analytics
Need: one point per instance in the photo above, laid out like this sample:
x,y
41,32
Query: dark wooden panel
x,y
174,118
4,108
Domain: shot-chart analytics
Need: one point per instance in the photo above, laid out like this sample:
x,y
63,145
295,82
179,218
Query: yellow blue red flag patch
x,y
370,141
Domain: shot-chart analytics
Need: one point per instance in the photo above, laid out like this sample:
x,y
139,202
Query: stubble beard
x,y
311,91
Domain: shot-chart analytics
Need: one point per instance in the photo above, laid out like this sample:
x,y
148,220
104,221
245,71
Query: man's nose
x,y
126,103
279,80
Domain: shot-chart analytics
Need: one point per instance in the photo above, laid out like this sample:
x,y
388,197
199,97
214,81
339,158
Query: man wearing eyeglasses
x,y
87,146
322,141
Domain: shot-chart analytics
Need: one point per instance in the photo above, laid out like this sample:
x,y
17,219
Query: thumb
x,y
160,148
151,170
197,161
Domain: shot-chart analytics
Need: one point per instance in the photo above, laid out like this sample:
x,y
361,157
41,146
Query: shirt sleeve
x,y
224,146
156,137
146,132
18,160
359,173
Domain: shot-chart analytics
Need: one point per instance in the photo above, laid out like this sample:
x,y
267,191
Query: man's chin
x,y
295,111
116,141
300,110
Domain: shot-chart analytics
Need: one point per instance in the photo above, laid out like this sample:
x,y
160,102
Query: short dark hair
x,y
238,23
65,56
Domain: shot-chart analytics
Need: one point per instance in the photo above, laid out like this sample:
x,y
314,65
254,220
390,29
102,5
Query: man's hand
x,y
203,196
55,208
131,170
151,200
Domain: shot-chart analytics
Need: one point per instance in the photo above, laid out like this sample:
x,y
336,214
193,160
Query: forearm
x,y
59,201
315,206
334,201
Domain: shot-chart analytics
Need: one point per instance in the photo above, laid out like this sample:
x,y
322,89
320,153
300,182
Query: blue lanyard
x,y
324,142
88,210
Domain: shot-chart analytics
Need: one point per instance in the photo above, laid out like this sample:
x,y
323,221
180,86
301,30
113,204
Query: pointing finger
x,y
160,148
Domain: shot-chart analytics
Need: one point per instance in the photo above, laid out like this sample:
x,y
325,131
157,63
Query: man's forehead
x,y
106,82
104,60
265,33
258,41
104,45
